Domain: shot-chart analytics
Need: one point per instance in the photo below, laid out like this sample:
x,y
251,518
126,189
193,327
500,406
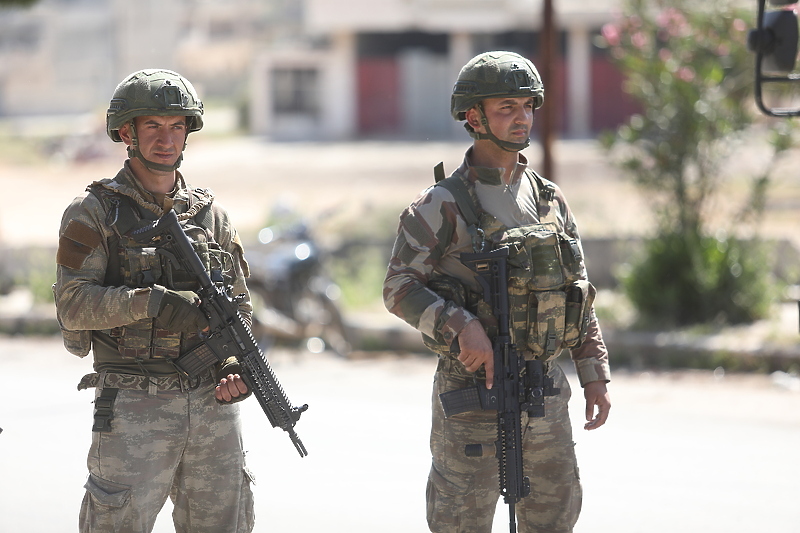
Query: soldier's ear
x,y
125,133
473,118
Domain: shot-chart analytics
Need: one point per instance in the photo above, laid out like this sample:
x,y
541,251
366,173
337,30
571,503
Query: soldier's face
x,y
161,139
510,119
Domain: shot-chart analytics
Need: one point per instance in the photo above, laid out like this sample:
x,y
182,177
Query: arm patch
x,y
75,245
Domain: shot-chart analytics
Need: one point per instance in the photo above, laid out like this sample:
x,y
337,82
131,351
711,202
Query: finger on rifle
x,y
489,366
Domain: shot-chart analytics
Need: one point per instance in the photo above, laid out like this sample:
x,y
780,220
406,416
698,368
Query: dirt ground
x,y
356,180
684,451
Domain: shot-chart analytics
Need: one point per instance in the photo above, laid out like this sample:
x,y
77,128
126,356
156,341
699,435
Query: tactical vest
x,y
549,302
136,265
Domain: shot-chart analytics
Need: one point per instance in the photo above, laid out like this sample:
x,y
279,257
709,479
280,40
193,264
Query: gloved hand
x,y
179,312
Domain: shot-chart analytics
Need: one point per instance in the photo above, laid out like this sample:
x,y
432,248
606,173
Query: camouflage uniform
x,y
167,437
462,492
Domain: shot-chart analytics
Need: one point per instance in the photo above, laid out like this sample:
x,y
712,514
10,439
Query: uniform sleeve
x,y
428,231
591,358
82,302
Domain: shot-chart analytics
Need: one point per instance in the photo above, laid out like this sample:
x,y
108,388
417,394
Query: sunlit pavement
x,y
687,451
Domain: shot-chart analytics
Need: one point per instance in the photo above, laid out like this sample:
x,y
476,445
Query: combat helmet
x,y
153,92
495,75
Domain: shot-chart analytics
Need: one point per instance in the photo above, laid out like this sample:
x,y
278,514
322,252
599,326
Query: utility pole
x,y
547,39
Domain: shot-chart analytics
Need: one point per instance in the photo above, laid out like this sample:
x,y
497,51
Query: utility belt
x,y
110,383
152,384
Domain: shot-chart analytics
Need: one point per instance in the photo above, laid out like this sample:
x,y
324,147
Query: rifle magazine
x,y
459,401
194,362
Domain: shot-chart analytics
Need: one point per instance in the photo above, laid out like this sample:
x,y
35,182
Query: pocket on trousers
x,y
444,496
247,515
106,492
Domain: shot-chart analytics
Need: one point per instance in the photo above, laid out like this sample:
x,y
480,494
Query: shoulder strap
x,y
458,188
466,203
200,201
121,217
547,193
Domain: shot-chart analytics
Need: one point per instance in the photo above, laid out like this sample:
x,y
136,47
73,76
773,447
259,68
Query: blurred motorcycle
x,y
293,298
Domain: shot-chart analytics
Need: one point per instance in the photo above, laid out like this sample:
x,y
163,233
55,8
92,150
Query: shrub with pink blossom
x,y
688,66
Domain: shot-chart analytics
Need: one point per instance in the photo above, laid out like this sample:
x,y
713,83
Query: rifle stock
x,y
228,334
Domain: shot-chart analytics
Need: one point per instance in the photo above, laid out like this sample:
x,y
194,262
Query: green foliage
x,y
17,3
688,66
359,274
687,279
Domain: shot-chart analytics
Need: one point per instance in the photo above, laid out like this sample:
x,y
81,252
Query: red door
x,y
378,95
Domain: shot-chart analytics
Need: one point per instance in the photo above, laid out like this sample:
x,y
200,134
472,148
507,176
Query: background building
x,y
386,67
304,69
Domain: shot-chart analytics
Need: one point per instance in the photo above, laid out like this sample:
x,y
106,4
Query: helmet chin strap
x,y
133,151
508,146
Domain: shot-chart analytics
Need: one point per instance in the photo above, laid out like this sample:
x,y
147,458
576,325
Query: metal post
x,y
549,109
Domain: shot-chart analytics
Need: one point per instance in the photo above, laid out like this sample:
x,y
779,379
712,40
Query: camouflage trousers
x,y
177,444
463,492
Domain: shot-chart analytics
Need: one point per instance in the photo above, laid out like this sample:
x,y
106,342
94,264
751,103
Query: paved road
x,y
686,452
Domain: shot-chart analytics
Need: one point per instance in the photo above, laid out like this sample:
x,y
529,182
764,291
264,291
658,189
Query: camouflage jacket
x,y
83,300
431,235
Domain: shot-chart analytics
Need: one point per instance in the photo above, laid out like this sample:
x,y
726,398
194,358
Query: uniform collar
x,y
491,176
126,183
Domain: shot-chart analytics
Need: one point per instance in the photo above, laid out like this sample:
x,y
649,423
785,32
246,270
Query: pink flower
x,y
611,34
686,74
639,40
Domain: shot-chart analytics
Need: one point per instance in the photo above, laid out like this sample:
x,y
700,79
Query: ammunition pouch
x,y
143,340
550,303
135,265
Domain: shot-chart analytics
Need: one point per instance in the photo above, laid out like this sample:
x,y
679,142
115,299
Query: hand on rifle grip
x,y
476,350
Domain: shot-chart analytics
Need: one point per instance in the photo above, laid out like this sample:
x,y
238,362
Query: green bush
x,y
687,279
687,66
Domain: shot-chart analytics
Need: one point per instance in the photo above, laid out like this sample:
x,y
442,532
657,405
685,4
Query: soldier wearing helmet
x,y
493,198
155,432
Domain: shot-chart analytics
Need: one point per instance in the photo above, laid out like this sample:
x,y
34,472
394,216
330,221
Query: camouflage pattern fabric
x,y
85,303
166,439
431,236
181,445
463,491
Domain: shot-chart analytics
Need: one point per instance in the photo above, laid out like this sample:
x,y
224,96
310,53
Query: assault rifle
x,y
518,385
228,334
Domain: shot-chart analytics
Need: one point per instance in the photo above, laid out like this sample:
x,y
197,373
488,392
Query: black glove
x,y
179,312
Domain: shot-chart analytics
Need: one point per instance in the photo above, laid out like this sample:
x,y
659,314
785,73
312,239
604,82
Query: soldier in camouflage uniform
x,y
427,286
156,434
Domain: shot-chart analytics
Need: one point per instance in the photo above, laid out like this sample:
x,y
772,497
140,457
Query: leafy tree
x,y
17,3
688,66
